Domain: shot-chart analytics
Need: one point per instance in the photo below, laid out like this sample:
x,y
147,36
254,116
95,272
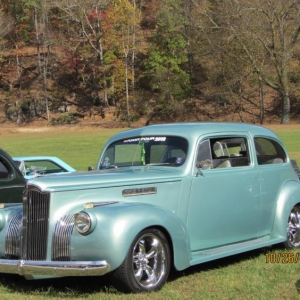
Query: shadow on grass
x,y
78,286
59,287
220,263
297,285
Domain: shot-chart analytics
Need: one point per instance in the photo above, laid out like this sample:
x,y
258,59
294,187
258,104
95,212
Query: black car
x,y
12,182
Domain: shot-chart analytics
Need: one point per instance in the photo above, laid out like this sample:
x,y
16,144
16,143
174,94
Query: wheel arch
x,y
131,219
288,198
178,241
176,256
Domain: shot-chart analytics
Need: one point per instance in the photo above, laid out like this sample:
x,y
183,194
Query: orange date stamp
x,y
282,257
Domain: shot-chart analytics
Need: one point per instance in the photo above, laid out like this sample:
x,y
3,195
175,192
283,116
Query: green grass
x,y
290,135
243,276
79,148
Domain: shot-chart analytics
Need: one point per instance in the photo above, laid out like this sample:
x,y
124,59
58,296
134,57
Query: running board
x,y
215,253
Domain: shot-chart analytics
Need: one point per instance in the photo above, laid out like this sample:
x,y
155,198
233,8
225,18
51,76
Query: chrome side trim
x,y
139,191
90,205
13,186
51,268
7,205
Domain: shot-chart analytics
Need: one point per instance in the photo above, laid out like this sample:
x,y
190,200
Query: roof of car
x,y
195,129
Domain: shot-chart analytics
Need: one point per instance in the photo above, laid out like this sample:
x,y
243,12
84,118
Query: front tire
x,y
146,266
293,229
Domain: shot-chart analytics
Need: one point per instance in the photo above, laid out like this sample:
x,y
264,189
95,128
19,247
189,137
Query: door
x,y
225,195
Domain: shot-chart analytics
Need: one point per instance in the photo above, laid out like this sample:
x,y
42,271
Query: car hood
x,y
106,178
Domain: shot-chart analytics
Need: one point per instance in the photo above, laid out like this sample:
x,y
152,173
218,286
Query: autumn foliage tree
x,y
166,60
266,34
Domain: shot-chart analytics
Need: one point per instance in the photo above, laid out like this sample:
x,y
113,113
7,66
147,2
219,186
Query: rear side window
x,y
269,151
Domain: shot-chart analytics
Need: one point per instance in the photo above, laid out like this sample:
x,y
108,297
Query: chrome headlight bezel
x,y
2,220
84,223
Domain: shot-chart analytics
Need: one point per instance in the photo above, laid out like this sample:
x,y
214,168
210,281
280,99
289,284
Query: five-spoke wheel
x,y
293,229
147,264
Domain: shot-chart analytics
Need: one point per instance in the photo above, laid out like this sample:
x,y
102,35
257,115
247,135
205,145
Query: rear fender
x,y
288,198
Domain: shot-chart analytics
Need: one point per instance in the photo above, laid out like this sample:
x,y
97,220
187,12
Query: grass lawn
x,y
78,147
243,276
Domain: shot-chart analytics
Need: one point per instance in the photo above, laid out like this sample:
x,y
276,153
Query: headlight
x,y
83,222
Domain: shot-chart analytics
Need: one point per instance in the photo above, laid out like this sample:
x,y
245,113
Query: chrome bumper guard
x,y
54,268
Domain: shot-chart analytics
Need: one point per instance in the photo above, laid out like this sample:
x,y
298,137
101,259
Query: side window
x,y
4,172
204,159
269,151
223,153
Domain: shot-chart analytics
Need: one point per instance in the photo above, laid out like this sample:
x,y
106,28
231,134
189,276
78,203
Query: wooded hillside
x,y
157,60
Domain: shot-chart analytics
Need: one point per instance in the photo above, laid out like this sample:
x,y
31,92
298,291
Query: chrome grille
x,y
13,238
36,205
61,238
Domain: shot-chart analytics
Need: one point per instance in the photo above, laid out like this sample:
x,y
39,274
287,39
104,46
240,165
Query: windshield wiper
x,y
109,167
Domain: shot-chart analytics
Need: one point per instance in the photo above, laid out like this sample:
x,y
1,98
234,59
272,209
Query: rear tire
x,y
146,266
293,229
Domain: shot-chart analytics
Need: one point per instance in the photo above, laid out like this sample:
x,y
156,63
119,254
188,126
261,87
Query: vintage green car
x,y
161,196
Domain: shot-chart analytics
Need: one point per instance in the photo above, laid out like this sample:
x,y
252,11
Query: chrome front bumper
x,y
54,268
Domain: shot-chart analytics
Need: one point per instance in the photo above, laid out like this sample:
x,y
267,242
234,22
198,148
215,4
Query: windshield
x,y
34,167
140,151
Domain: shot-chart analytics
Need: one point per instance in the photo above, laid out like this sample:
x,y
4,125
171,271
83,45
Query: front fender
x,y
118,225
288,198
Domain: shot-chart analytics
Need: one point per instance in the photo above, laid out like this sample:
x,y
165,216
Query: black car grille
x,y
36,206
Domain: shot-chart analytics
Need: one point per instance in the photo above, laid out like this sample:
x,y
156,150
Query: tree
x,y
267,32
6,24
123,33
85,21
42,41
166,59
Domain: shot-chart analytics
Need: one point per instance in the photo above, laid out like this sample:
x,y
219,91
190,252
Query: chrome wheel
x,y
146,266
149,262
293,229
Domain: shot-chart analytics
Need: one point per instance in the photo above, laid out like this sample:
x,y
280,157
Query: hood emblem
x,y
139,191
